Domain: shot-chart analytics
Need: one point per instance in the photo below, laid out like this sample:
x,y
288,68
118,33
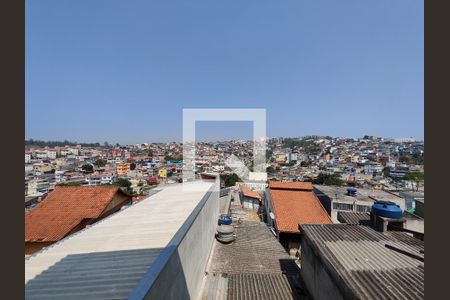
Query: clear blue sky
x,y
122,71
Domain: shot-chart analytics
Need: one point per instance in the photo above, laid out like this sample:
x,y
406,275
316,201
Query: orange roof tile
x,y
290,185
294,207
64,209
249,193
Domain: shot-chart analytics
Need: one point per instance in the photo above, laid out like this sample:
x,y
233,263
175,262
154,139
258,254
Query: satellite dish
x,y
272,216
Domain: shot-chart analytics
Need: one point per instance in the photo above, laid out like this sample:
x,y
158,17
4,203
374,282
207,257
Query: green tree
x,y
269,154
69,184
132,166
88,168
100,162
229,179
414,176
328,179
130,191
386,171
122,182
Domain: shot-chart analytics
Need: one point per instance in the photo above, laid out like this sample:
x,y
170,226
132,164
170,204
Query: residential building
x,y
41,154
341,261
51,154
43,167
122,169
280,159
257,181
27,157
411,199
74,151
67,210
338,198
373,169
107,179
38,186
289,204
250,199
420,207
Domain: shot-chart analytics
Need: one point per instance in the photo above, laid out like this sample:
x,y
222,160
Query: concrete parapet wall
x,y
179,270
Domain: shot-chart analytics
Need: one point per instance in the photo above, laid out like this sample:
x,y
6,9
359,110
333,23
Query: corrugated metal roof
x,y
371,270
98,275
254,250
255,266
356,218
260,287
107,260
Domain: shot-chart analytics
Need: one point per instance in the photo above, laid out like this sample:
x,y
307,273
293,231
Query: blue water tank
x,y
225,220
351,191
387,209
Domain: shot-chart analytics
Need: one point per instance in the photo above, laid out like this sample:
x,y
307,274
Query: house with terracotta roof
x,y
250,199
289,204
67,210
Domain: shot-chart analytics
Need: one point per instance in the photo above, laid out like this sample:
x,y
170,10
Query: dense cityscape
x,y
83,200
369,162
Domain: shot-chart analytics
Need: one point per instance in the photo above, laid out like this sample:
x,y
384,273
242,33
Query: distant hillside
x,y
38,143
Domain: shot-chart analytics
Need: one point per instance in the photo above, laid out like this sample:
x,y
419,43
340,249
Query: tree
x,y
414,176
130,191
132,166
88,168
173,158
270,169
69,184
106,144
150,152
269,154
229,179
328,179
100,163
122,182
292,163
305,163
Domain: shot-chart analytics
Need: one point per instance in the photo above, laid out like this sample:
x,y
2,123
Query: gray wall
x,y
269,208
321,280
179,270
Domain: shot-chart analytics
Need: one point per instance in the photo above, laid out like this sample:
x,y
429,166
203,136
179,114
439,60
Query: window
x,y
363,208
342,206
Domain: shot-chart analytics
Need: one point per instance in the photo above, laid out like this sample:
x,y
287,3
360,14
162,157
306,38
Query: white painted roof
x,y
128,241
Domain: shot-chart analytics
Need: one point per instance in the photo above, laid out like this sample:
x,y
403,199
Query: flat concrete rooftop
x,y
339,193
109,258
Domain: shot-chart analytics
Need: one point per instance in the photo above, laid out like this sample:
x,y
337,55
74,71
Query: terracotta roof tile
x,y
249,193
65,208
291,185
294,207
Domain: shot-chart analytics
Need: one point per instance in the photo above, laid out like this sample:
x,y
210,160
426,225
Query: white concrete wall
x,y
183,262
